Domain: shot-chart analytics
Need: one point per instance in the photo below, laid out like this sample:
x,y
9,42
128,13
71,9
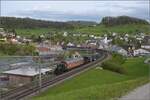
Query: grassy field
x,y
97,92
30,32
98,84
101,29
97,30
136,68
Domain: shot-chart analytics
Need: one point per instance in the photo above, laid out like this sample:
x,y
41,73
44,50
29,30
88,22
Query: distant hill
x,y
28,23
82,23
13,22
122,20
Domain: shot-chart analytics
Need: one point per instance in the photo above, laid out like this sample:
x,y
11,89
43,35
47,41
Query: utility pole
x,y
0,93
40,78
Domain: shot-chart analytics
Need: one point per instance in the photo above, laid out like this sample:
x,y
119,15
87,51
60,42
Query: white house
x,y
84,35
104,43
126,35
106,40
97,37
122,52
91,35
141,52
145,46
114,34
70,44
65,34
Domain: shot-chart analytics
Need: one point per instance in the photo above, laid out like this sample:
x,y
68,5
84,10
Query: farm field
x,y
97,84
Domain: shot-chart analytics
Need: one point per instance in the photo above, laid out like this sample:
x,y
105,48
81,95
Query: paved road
x,y
140,93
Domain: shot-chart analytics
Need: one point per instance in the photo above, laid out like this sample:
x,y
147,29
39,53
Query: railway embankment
x,y
101,84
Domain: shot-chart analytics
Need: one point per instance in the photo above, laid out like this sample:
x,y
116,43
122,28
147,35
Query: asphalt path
x,y
140,93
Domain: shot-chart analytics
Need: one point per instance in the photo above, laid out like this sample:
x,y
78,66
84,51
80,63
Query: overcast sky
x,y
74,10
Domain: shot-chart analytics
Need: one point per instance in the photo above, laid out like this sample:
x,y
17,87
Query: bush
x,y
113,67
117,58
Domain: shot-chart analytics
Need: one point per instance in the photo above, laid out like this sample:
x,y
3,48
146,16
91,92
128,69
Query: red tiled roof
x,y
43,49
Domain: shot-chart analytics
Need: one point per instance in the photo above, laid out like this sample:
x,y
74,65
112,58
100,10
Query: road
x,y
140,93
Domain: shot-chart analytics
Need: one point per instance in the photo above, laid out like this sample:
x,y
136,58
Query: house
x,y
43,50
92,36
1,29
97,37
14,41
48,49
126,35
84,45
3,39
147,39
106,40
24,75
70,44
92,43
78,45
84,35
129,49
26,40
145,46
146,42
119,50
140,51
65,34
2,32
114,34
77,34
104,43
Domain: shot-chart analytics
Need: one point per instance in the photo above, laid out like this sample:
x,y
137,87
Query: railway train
x,y
75,62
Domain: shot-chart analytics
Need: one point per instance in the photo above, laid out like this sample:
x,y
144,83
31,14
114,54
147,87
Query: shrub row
x,y
16,49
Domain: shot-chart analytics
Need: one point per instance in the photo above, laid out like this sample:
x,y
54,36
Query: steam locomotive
x,y
74,62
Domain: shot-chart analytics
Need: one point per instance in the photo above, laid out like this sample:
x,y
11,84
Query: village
x,y
124,44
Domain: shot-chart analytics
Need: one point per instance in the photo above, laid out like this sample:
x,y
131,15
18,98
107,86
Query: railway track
x,y
24,91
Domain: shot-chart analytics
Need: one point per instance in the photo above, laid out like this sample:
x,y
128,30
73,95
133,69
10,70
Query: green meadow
x,y
97,30
122,29
34,31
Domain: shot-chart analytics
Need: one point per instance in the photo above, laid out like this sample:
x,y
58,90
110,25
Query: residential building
x,y
24,75
140,51
70,44
48,49
119,50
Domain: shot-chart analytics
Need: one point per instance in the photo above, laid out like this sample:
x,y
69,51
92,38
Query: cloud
x,y
74,10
